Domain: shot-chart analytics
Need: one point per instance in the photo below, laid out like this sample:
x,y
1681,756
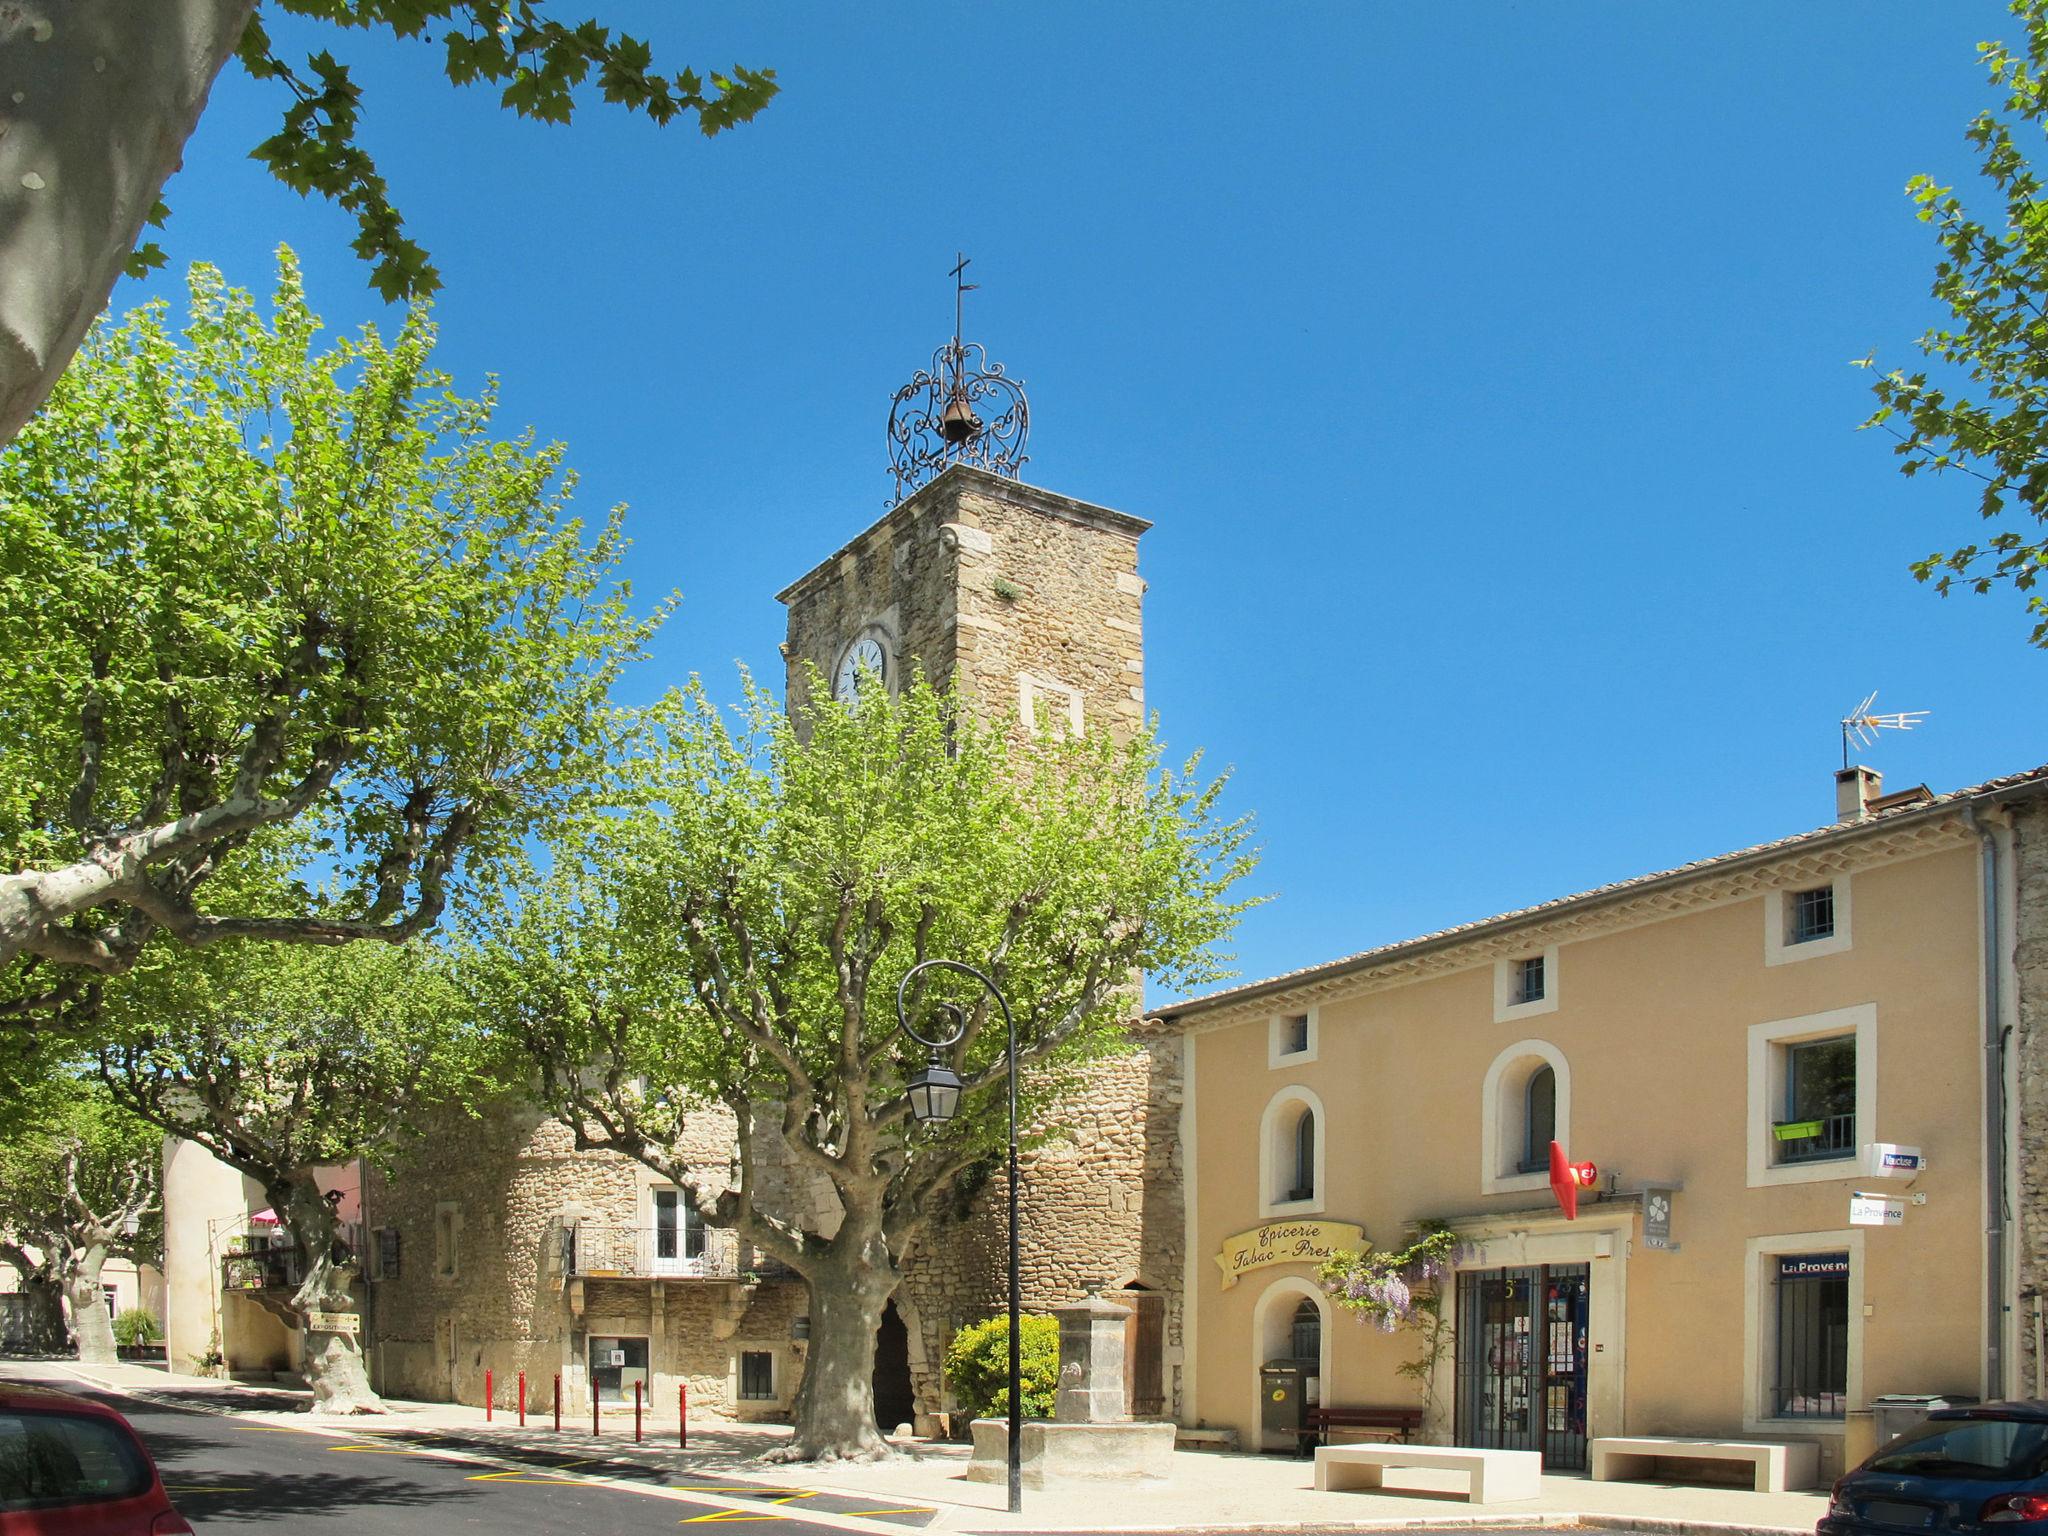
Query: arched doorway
x,y
895,1399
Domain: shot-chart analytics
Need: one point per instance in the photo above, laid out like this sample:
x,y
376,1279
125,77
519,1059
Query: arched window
x,y
1304,1187
1305,1335
1292,1152
1539,1119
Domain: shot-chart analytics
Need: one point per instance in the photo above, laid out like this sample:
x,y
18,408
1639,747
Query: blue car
x,y
1962,1469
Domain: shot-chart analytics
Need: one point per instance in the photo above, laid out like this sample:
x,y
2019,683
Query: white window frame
x,y
1276,1151
1506,970
1778,950
1279,1032
1503,1111
1760,1334
1767,1090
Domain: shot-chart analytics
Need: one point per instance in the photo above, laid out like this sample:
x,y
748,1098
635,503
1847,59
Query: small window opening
x,y
1528,986
1539,1120
1304,1157
1812,915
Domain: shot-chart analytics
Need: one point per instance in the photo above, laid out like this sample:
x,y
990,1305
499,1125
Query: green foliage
x,y
978,1366
538,61
1984,413
247,582
134,1325
75,1167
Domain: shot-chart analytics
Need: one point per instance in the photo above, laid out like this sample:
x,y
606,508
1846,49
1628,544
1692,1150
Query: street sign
x,y
1657,1217
1889,1160
1876,1210
333,1322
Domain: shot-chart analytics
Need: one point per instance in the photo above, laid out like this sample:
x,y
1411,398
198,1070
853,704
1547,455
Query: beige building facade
x,y
1733,1044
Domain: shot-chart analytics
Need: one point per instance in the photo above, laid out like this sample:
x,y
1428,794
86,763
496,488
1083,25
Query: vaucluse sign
x,y
1285,1242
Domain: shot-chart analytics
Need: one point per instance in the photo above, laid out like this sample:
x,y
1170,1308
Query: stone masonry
x,y
2030,1077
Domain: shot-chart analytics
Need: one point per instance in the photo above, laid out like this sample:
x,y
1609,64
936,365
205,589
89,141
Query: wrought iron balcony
x,y
595,1249
259,1262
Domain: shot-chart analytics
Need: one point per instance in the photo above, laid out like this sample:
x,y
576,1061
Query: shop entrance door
x,y
1522,1361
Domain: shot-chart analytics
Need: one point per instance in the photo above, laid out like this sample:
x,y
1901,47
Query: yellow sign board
x,y
1285,1242
333,1322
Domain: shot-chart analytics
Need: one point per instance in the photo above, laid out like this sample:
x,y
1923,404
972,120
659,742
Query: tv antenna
x,y
1860,726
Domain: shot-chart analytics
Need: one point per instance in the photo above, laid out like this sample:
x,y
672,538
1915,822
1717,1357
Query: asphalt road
x,y
225,1473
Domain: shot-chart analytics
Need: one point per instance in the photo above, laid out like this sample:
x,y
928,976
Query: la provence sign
x,y
1285,1242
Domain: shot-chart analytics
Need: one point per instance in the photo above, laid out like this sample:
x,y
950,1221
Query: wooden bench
x,y
1776,1466
1395,1421
1496,1476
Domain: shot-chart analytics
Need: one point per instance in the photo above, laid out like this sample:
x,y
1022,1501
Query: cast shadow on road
x,y
215,1498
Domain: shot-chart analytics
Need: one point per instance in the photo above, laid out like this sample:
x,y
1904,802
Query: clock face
x,y
864,655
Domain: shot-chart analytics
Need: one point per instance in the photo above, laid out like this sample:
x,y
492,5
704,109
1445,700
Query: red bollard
x,y
636,1413
487,1397
593,1406
522,1399
682,1416
558,1402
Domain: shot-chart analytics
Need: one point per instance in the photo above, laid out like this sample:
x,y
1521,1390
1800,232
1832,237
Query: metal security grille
x,y
1522,1361
1529,980
757,1375
1812,1377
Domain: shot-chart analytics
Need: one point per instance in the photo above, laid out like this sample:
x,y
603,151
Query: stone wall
x,y
514,1180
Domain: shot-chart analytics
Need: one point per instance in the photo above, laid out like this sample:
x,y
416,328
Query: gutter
x,y
1995,1035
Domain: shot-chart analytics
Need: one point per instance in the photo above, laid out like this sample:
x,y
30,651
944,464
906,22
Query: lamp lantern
x,y
934,1093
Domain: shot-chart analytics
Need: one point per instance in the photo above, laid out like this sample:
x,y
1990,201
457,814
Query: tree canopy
x,y
1981,410
103,94
265,600
737,932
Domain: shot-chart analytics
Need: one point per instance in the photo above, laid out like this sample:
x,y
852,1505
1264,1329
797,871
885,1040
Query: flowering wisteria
x,y
1386,1287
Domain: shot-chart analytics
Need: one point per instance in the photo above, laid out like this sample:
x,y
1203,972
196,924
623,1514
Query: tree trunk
x,y
333,1349
45,1319
97,99
89,1320
835,1406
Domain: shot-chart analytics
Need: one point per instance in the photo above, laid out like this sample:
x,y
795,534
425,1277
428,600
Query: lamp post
x,y
934,1092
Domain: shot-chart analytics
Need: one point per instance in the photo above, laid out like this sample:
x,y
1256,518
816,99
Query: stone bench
x,y
1496,1476
1777,1466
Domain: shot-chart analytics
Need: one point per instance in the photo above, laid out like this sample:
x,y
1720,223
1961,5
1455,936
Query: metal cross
x,y
961,289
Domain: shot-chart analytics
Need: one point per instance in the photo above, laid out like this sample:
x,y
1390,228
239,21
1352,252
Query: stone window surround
x,y
1506,972
1063,701
1767,1090
779,1373
1276,1152
1280,1032
1759,1334
1503,1108
1778,950
447,1240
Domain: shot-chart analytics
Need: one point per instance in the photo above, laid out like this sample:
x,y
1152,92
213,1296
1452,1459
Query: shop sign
x,y
1657,1218
1876,1211
1813,1266
1285,1242
333,1322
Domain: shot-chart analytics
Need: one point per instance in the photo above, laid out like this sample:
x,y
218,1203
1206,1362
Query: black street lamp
x,y
934,1091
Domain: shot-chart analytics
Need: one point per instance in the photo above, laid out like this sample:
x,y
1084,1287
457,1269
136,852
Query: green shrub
x,y
136,1326
978,1367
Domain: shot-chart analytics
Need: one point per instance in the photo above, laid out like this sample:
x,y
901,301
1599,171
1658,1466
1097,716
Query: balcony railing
x,y
259,1262
702,1253
1809,1141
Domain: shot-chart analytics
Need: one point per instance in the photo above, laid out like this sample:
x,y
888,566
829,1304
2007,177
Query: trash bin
x,y
1281,1400
1897,1412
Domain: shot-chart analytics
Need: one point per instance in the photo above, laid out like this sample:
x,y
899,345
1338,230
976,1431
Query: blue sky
x,y
1483,369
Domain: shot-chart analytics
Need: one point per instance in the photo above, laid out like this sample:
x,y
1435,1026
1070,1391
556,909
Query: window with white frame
x,y
1812,1094
1525,985
1292,1153
1803,1328
1525,1105
1803,922
1291,1040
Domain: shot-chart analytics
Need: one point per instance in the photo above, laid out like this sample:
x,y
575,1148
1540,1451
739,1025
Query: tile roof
x,y
2034,780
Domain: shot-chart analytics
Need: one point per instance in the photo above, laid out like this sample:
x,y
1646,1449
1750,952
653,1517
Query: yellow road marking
x,y
724,1515
791,1498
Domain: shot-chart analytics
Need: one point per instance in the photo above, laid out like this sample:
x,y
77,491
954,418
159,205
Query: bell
x,y
958,423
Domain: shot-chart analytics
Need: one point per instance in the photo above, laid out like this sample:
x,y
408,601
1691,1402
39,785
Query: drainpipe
x,y
1994,1115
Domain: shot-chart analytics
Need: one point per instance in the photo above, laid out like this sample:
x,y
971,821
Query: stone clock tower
x,y
1029,601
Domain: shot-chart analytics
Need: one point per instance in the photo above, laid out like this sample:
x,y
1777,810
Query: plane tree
x,y
98,98
736,933
80,1183
251,579
283,1061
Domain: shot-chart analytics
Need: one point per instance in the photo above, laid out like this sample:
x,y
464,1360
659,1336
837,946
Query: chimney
x,y
1855,789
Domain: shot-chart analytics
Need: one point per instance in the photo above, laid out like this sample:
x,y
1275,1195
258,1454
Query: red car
x,y
69,1467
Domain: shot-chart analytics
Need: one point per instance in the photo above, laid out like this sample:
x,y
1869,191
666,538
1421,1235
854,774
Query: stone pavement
x,y
1208,1490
